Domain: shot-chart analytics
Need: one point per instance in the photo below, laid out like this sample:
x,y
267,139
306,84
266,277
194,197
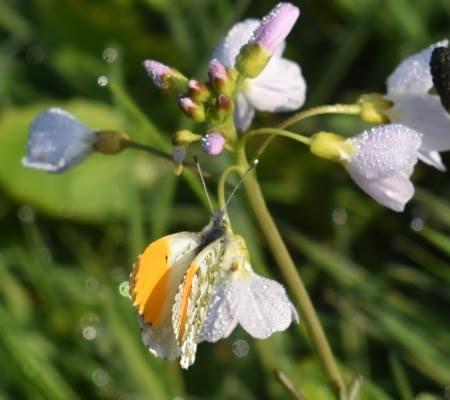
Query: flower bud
x,y
213,143
184,137
192,109
198,91
331,146
275,26
373,108
221,78
110,142
166,78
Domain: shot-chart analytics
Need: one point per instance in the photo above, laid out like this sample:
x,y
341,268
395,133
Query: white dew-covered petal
x,y
259,304
425,114
392,192
385,151
280,87
412,75
243,113
219,322
239,35
57,141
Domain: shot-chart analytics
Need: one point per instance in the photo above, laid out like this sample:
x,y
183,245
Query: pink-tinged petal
x,y
413,76
219,322
243,113
238,36
217,71
385,151
392,192
280,87
276,26
213,143
158,72
259,304
57,141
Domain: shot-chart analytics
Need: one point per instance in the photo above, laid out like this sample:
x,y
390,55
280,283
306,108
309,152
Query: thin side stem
x,y
277,132
289,386
222,183
351,109
291,276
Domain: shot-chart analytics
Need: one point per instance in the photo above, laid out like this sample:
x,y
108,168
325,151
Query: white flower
x,y
407,88
280,87
258,304
57,141
383,161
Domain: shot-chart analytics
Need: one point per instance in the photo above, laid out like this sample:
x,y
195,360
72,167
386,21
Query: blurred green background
x,y
380,280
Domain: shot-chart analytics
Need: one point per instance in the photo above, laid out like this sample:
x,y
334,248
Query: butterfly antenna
x,y
252,165
197,164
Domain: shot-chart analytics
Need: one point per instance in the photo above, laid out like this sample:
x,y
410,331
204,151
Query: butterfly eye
x,y
440,71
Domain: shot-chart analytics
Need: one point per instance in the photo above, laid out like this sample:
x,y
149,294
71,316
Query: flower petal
x,y
260,305
413,74
392,192
385,151
280,87
244,112
238,36
425,114
57,141
432,158
219,322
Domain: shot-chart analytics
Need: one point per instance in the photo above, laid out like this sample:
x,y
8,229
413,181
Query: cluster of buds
x,y
217,102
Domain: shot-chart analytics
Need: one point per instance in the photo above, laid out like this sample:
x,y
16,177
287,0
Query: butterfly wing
x,y
154,281
193,298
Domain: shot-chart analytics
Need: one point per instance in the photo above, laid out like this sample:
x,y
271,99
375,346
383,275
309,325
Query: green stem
x,y
222,183
352,109
291,276
277,132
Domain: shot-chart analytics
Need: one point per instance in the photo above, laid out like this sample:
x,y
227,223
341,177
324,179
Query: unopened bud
x,y
198,91
165,77
192,109
374,107
184,137
331,146
222,79
275,26
213,143
110,142
178,155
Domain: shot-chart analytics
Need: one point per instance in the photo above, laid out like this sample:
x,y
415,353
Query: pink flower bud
x,y
198,91
158,72
192,109
217,71
213,143
275,26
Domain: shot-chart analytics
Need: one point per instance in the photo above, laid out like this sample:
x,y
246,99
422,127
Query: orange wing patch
x,y
150,280
185,298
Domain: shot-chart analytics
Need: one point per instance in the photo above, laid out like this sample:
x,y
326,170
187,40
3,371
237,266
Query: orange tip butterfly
x,y
191,287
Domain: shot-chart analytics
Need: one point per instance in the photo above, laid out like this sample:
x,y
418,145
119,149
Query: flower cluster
x,y
191,287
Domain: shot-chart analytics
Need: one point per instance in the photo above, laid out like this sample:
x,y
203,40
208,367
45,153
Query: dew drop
x,y
26,214
102,80
417,224
124,289
100,377
339,216
240,348
91,284
109,55
89,332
